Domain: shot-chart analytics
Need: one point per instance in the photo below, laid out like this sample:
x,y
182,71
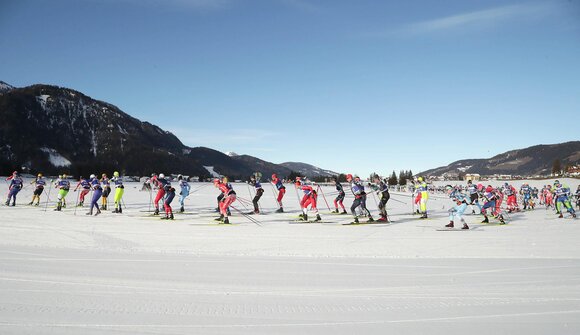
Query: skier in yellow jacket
x,y
422,188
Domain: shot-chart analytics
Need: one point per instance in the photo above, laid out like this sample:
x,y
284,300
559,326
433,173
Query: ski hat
x,y
420,179
116,174
225,180
349,176
216,181
179,177
104,175
274,176
469,182
64,176
93,176
489,188
39,175
161,175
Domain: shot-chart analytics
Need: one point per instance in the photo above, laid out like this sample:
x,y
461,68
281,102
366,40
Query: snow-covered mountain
x,y
53,129
536,160
5,87
308,170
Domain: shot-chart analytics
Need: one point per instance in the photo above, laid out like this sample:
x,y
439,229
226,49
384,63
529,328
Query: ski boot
x,y
30,203
13,204
221,218
355,220
424,216
37,204
58,207
465,226
156,211
116,211
226,221
89,213
228,211
7,203
181,210
318,218
485,220
370,219
305,217
560,216
256,212
574,215
120,210
98,212
382,219
335,211
449,225
279,210
343,212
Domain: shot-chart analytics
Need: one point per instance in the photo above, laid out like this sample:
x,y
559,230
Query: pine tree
x,y
402,178
393,179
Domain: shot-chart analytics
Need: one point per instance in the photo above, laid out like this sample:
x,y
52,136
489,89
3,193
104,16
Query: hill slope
x,y
536,160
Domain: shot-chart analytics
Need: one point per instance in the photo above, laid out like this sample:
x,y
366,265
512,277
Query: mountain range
x,y
532,161
54,130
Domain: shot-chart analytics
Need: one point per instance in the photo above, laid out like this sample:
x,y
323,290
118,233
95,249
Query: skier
x,y
106,185
281,191
160,182
229,197
473,196
526,192
548,197
255,181
562,194
578,197
456,213
86,187
491,198
63,186
119,191
384,196
340,197
183,193
9,178
40,183
309,199
14,188
512,203
424,197
169,195
360,197
97,193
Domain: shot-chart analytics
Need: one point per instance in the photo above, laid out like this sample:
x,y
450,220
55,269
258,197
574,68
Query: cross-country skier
x,y
562,194
422,188
548,197
360,197
309,199
119,191
97,193
526,192
255,181
63,186
14,188
281,191
384,196
491,199
86,187
578,197
229,197
473,196
40,183
9,178
106,185
340,197
512,202
456,213
169,195
183,193
160,182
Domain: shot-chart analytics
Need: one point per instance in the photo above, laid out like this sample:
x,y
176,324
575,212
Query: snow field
x,y
63,273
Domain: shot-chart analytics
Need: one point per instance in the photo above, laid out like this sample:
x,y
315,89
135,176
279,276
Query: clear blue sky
x,y
353,86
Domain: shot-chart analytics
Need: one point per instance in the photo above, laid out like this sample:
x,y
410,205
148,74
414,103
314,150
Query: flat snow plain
x,y
68,273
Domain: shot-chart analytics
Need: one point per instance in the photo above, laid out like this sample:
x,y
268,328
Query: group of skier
x,y
493,198
557,196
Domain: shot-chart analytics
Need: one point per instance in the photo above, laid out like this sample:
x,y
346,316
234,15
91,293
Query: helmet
x,y
274,176
489,188
216,181
420,179
349,177
116,174
161,175
93,176
39,175
179,177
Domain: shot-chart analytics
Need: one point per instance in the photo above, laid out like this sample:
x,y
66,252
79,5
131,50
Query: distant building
x,y
472,176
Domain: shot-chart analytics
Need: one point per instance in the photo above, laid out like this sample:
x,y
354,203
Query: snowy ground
x,y
62,273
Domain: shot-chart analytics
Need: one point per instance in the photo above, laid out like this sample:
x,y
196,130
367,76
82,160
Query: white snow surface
x,y
55,158
132,273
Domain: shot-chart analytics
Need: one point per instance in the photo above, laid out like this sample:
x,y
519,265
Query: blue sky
x,y
352,86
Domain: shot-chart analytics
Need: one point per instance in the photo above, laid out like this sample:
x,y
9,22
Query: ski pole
x,y
274,194
257,222
150,200
323,197
48,196
77,203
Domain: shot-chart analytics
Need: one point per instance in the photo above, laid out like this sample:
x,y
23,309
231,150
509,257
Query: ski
x,y
456,229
